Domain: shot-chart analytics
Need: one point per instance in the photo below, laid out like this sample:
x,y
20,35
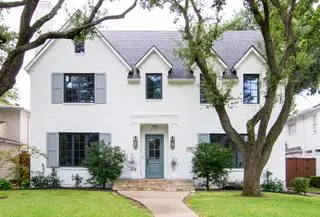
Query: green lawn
x,y
229,204
67,203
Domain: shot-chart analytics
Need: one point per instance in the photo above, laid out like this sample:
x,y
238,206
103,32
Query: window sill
x,y
236,170
154,100
250,104
78,103
73,168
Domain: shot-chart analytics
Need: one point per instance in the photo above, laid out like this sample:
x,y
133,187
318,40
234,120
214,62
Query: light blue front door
x,y
154,156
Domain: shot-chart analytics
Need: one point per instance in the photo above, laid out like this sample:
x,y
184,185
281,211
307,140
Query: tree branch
x,y
11,4
48,16
278,125
71,33
95,10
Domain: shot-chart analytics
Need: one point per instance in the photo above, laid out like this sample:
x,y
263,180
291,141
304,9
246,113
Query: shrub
x,y
300,184
5,184
40,181
315,181
77,180
21,171
104,163
270,184
25,184
211,161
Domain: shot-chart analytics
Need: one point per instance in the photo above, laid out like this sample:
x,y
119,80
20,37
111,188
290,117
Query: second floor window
x,y
153,86
292,129
314,123
250,89
203,99
79,88
79,47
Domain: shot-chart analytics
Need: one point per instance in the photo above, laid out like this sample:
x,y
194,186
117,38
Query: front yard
x,y
71,203
231,204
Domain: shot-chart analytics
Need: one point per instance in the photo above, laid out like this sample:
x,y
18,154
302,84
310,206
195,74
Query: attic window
x,y
79,47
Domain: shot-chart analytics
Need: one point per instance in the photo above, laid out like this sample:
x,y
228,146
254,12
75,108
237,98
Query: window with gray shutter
x,y
203,138
52,150
106,137
56,88
100,88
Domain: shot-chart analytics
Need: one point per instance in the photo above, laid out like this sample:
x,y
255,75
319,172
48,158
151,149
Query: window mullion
x,y
72,149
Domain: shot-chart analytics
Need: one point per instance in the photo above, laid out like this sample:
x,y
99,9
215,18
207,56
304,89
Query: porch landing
x,y
154,185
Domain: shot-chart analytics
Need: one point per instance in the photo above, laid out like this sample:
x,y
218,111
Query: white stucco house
x,y
130,89
303,135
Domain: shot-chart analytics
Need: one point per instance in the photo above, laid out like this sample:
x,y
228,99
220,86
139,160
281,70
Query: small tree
x,y
104,162
211,162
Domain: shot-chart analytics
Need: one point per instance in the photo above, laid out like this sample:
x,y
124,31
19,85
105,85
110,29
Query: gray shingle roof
x,y
133,45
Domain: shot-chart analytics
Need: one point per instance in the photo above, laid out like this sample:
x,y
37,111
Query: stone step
x,y
153,185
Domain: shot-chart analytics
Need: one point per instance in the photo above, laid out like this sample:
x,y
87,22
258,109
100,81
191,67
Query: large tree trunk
x,y
253,167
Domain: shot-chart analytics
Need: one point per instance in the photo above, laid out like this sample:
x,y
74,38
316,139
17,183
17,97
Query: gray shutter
x,y
56,88
52,149
106,137
100,88
203,137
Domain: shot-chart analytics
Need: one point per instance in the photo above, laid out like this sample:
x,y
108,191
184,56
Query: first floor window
x,y
72,147
154,86
250,89
224,141
79,88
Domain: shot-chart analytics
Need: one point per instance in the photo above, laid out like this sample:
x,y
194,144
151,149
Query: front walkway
x,y
162,204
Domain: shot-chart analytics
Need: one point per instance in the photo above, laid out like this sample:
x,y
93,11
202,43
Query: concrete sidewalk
x,y
162,204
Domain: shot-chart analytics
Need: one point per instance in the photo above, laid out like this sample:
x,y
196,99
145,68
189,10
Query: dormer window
x,y
251,89
79,47
153,86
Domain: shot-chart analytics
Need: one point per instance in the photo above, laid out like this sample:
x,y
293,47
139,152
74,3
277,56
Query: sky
x,y
138,19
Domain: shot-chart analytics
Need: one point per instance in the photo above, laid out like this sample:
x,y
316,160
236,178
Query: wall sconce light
x,y
172,143
135,142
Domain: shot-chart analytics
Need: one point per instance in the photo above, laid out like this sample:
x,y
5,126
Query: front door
x,y
154,156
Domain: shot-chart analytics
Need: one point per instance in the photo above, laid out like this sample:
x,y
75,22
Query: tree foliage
x,y
104,162
289,29
13,45
211,162
9,97
242,20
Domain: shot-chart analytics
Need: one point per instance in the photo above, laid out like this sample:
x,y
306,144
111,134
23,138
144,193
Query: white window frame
x,y
315,123
292,129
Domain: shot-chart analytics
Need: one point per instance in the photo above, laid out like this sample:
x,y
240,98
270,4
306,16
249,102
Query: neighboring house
x,y
130,89
303,135
14,134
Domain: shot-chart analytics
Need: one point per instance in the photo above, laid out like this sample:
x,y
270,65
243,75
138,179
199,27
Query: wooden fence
x,y
299,167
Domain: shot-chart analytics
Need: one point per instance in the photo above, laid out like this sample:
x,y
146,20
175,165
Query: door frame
x,y
161,155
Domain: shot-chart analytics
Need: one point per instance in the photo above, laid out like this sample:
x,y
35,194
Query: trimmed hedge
x,y
5,184
300,184
315,181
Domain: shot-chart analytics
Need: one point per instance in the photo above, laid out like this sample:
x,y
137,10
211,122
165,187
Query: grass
x,y
71,203
314,190
229,204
